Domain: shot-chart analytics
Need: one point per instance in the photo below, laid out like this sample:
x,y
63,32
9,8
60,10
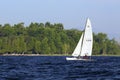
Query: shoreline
x,y
35,55
47,55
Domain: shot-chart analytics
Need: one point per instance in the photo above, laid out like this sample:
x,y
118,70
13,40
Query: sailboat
x,y
83,50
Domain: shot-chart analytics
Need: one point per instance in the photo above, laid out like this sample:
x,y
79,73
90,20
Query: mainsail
x,y
87,40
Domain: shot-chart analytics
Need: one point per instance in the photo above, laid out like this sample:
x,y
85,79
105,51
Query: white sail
x,y
87,40
77,50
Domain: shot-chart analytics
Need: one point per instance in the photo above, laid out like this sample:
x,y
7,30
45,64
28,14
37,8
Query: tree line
x,y
47,38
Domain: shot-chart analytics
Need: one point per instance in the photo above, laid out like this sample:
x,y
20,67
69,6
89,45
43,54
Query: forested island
x,y
47,38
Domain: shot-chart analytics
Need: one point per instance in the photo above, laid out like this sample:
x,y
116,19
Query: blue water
x,y
57,68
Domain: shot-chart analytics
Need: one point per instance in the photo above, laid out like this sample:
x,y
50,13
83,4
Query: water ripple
x,y
57,68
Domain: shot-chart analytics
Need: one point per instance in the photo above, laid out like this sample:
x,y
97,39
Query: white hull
x,y
74,58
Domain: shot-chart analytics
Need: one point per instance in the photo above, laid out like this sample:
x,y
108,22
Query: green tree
x,y
45,49
101,39
50,38
20,29
37,46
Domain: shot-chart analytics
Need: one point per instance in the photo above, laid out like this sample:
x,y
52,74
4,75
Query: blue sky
x,y
104,14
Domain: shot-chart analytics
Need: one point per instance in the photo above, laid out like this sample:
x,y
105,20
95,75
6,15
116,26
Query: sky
x,y
104,14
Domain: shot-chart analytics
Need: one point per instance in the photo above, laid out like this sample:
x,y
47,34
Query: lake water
x,y
57,68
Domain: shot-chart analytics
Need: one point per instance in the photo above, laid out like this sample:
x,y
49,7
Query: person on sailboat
x,y
85,57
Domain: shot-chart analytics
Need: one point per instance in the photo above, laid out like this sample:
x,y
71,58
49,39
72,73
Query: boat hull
x,y
74,58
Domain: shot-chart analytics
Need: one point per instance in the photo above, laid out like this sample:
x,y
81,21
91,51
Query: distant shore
x,y
35,55
21,55
47,55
